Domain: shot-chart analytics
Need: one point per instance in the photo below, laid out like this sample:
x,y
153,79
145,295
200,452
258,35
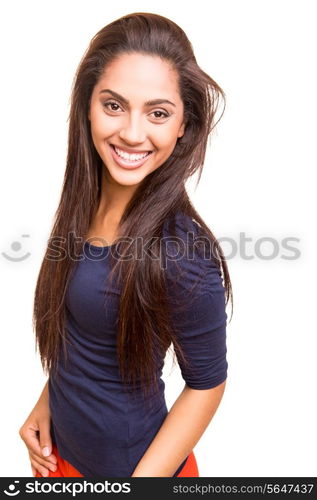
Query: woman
x,y
112,294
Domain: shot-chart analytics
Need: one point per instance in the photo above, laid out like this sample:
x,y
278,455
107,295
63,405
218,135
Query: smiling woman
x,y
105,314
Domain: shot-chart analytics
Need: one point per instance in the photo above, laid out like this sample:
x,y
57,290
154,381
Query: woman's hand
x,y
35,433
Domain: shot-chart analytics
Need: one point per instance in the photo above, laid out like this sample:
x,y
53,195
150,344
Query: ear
x,y
181,130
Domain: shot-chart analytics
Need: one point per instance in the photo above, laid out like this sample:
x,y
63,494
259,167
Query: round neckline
x,y
98,247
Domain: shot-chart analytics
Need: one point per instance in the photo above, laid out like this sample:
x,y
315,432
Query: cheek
x,y
166,140
101,125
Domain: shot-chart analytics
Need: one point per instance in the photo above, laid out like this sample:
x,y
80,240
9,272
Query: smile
x,y
127,160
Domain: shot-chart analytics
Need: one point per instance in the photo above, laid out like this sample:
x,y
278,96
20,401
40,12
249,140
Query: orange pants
x,y
65,469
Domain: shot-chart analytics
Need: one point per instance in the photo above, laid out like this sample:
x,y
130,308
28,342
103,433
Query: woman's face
x,y
122,116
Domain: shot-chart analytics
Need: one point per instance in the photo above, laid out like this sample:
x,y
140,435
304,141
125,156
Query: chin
x,y
126,178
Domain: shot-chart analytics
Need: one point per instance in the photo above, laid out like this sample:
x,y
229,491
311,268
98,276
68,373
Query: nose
x,y
133,130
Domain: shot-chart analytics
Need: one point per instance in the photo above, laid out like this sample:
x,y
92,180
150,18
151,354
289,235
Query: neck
x,y
114,197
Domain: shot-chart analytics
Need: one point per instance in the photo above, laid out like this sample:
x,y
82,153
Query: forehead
x,y
143,76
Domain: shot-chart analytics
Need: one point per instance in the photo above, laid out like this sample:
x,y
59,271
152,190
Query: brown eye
x,y
109,105
162,113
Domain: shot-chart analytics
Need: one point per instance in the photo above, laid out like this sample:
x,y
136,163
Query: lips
x,y
126,163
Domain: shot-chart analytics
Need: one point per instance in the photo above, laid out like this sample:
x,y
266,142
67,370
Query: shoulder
x,y
188,257
181,223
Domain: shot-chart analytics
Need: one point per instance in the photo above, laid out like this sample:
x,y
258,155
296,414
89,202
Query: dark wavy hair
x,y
144,328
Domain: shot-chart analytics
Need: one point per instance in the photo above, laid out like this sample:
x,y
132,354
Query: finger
x,y
31,438
32,441
51,460
45,440
33,470
42,470
42,462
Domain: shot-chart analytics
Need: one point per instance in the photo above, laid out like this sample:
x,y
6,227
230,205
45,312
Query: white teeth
x,y
127,156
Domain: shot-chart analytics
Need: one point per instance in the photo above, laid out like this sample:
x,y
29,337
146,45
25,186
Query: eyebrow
x,y
152,102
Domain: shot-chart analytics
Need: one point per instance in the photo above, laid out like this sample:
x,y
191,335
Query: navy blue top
x,y
97,426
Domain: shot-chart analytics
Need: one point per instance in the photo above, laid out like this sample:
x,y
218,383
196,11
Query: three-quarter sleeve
x,y
200,324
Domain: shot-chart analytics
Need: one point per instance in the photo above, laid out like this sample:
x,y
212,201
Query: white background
x,y
258,180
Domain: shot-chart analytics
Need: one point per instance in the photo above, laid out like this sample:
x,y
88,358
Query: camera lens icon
x,y
13,492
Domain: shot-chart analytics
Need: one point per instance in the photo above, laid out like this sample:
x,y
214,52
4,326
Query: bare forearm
x,y
44,396
44,393
180,432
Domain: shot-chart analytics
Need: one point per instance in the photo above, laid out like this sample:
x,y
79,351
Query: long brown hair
x,y
144,320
